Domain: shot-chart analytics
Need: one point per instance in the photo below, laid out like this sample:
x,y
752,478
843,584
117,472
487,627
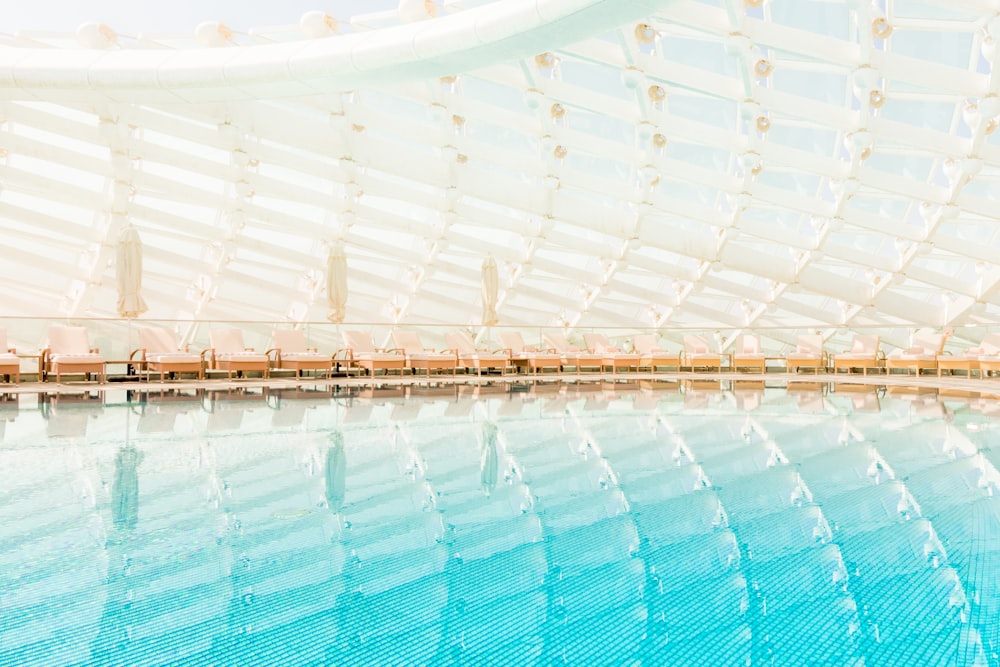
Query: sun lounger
x,y
160,353
419,357
69,351
10,364
228,353
290,352
360,352
469,357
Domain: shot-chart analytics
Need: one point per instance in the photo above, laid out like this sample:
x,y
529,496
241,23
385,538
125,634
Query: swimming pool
x,y
631,523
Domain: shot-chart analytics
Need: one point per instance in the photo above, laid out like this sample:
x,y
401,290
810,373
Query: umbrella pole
x,y
128,350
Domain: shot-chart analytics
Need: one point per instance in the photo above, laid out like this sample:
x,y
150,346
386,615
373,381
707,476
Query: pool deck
x,y
959,385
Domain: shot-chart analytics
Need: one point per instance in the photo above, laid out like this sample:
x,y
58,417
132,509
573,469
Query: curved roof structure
x,y
654,164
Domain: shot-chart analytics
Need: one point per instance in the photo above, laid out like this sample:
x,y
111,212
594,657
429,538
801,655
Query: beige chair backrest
x,y
749,344
865,344
68,340
512,340
157,340
644,343
695,344
810,344
557,342
226,341
407,341
929,343
598,342
289,340
461,341
991,343
3,340
358,342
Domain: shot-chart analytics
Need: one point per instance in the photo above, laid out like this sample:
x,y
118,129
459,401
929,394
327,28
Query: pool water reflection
x,y
701,523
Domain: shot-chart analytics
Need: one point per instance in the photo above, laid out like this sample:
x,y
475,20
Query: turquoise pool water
x,y
596,524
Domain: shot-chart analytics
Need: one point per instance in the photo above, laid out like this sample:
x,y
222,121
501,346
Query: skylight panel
x,y
984,189
612,129
598,165
195,213
48,201
503,137
818,140
917,167
710,55
826,18
190,179
946,48
206,151
57,141
931,10
505,97
930,114
604,79
395,105
800,182
685,190
717,112
709,157
819,85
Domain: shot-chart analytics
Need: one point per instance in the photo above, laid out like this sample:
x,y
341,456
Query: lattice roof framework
x,y
661,164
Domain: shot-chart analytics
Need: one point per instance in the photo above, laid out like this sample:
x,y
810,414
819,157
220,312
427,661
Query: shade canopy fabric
x,y
336,284
128,268
490,289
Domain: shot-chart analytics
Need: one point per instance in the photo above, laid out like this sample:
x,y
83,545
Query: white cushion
x,y
378,356
305,356
241,356
484,356
173,357
76,358
431,356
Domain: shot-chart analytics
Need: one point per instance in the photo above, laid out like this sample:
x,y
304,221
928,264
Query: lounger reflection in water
x,y
10,364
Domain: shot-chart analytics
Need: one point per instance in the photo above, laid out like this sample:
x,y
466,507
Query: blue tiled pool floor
x,y
515,530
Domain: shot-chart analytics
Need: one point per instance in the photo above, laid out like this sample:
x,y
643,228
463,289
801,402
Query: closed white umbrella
x,y
490,286
336,284
128,268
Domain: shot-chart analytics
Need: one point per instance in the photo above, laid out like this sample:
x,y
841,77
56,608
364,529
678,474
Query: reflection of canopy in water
x,y
336,472
125,488
648,528
490,463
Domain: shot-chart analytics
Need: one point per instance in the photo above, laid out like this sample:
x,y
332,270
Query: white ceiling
x,y
790,164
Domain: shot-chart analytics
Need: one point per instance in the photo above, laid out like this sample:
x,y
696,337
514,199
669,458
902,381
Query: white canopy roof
x,y
655,163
